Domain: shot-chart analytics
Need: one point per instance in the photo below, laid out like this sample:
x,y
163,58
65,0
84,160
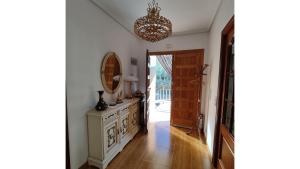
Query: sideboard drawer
x,y
110,117
124,110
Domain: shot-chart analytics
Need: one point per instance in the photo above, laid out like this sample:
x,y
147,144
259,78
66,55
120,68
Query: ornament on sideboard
x,y
130,80
101,105
119,98
138,93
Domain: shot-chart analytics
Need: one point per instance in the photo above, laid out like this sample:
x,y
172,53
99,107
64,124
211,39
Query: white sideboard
x,y
110,130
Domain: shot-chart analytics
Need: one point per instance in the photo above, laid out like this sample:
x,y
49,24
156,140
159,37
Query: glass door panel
x,y
228,109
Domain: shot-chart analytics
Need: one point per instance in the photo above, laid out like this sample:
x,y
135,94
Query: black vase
x,y
101,105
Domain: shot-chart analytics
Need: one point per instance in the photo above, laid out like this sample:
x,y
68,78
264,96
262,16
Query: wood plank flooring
x,y
164,147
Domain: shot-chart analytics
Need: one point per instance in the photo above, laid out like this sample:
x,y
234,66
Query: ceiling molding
x,y
214,17
190,33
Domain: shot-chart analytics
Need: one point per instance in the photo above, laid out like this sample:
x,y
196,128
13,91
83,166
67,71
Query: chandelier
x,y
153,27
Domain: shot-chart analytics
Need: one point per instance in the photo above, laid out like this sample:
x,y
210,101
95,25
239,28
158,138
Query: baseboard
x,y
84,166
204,136
210,155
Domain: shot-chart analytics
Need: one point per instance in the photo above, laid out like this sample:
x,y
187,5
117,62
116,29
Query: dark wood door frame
x,y
160,53
174,52
147,92
222,65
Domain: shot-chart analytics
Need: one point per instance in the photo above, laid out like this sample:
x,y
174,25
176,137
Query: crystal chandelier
x,y
153,27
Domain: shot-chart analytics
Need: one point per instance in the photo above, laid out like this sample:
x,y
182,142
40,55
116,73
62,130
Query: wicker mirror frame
x,y
102,72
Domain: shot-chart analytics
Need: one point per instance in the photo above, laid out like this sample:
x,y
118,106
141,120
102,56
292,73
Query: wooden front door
x,y
186,94
224,137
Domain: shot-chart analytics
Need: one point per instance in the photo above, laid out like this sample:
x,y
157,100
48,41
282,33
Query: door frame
x,y
174,52
216,147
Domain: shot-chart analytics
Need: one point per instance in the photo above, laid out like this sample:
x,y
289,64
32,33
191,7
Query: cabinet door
x,y
110,136
133,119
124,125
137,117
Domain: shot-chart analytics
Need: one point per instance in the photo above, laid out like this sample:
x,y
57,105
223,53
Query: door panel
x,y
227,157
124,125
133,119
185,94
110,134
220,165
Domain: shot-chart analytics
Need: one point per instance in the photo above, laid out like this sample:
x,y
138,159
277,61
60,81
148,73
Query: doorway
x,y
160,88
183,90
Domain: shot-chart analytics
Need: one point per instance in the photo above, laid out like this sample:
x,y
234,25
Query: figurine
x,y
138,93
119,98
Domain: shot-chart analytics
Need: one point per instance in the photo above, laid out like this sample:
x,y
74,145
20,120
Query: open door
x,y
224,136
186,94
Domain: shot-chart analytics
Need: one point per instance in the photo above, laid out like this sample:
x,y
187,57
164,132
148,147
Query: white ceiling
x,y
187,16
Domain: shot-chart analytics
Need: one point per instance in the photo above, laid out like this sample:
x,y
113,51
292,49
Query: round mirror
x,y
111,72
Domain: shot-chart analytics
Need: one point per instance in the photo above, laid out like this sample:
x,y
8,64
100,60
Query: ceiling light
x,y
153,27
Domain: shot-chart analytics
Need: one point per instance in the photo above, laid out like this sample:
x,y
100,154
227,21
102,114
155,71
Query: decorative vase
x,y
101,105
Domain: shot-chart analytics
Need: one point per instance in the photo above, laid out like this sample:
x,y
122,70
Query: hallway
x,y
164,147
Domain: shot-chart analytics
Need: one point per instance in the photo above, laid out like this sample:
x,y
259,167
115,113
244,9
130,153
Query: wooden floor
x,y
164,147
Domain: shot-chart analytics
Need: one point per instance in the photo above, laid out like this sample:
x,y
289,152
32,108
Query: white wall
x,y
90,35
183,42
225,12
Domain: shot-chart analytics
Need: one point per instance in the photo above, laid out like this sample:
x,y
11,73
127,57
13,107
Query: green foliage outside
x,y
162,77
